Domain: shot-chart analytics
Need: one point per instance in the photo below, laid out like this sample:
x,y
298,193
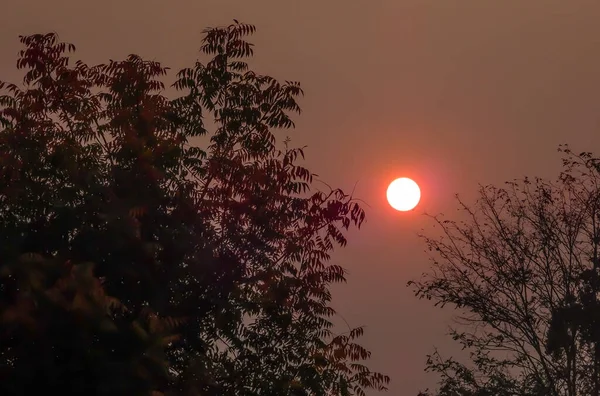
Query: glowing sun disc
x,y
403,194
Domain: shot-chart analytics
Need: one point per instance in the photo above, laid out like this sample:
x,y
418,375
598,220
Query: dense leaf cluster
x,y
134,260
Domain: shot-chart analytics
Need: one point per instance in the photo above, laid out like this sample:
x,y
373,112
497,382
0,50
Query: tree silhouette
x,y
522,270
135,261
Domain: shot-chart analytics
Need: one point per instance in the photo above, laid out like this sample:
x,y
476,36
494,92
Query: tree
x,y
204,270
523,271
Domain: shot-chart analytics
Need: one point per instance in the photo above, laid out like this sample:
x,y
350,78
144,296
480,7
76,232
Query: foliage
x,y
230,241
522,269
60,325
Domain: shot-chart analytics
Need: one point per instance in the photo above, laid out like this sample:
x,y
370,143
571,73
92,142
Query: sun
x,y
403,194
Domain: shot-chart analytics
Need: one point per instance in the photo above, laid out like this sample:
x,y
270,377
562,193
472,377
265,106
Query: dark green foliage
x,y
522,269
60,330
216,257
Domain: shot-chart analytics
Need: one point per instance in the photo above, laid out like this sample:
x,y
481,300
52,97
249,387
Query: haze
x,y
449,93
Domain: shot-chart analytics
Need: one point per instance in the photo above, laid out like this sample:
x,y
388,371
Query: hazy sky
x,y
450,93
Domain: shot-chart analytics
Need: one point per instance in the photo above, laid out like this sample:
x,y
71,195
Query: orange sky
x,y
449,93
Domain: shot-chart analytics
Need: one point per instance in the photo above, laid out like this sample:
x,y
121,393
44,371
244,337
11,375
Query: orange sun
x,y
403,194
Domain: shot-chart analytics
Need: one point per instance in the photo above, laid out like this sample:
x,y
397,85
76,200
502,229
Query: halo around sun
x,y
403,194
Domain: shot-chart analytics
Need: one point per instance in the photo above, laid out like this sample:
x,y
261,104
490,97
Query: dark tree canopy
x,y
134,261
522,268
